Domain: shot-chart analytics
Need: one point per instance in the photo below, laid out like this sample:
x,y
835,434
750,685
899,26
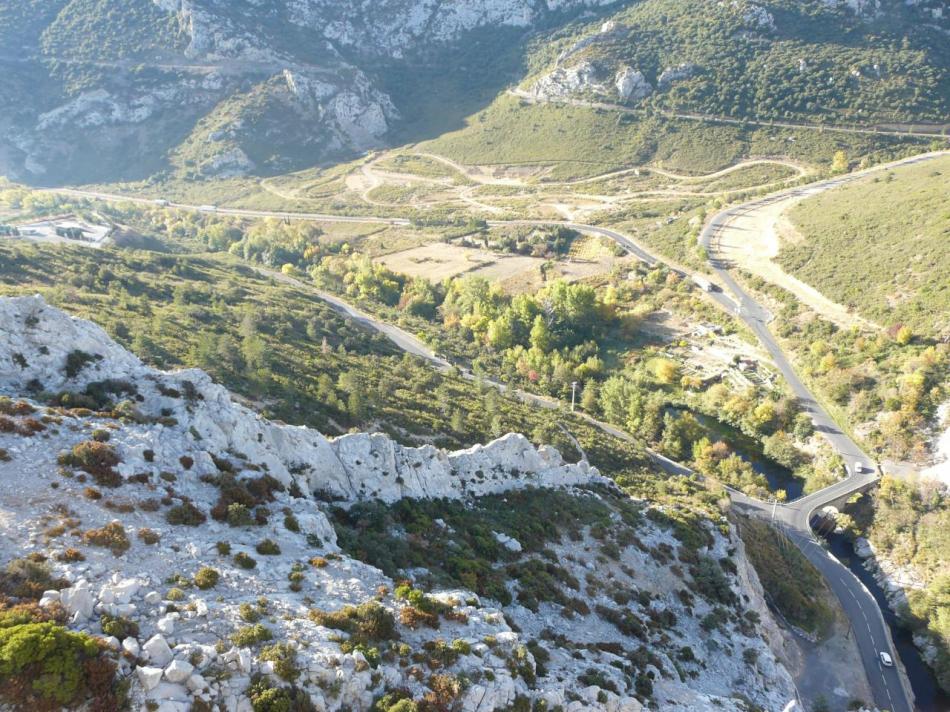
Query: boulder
x,y
158,651
49,598
149,677
166,625
178,671
196,683
79,600
632,85
508,542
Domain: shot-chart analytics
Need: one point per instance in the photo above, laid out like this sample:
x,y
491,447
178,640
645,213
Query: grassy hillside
x,y
587,141
881,246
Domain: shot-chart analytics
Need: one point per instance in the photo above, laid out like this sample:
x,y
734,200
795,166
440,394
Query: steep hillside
x,y
201,90
173,549
205,88
807,60
880,246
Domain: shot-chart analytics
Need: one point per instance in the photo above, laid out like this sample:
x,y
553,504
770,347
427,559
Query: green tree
x,y
839,163
589,397
540,335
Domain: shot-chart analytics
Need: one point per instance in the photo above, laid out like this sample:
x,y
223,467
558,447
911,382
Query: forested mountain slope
x,y
201,89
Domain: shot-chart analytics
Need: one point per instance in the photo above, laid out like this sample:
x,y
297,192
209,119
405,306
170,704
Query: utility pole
x,y
774,506
573,394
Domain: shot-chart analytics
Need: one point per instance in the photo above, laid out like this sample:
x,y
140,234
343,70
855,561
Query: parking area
x,y
65,229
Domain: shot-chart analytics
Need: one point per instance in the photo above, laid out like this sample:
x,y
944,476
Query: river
x,y
778,476
928,696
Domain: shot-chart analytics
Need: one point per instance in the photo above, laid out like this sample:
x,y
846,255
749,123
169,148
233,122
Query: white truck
x,y
703,283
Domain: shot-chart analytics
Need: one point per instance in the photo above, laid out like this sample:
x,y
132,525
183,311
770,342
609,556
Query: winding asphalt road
x,y
871,632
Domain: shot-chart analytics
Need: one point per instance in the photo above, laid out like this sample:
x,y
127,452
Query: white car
x,y
886,660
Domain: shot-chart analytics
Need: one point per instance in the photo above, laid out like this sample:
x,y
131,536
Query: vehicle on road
x,y
208,208
886,660
703,283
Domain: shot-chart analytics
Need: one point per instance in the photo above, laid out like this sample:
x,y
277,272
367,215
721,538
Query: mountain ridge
x,y
200,90
127,461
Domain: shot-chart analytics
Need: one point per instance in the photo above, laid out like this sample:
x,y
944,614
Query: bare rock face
x,y
187,582
332,104
42,348
587,79
565,82
631,85
671,75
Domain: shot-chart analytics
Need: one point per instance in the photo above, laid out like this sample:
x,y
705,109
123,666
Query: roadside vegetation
x,y
886,385
794,586
282,348
588,333
907,523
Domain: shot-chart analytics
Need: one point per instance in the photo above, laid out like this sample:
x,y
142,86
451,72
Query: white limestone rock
x,y
565,82
676,73
78,599
149,677
863,548
166,625
158,651
631,85
178,671
508,542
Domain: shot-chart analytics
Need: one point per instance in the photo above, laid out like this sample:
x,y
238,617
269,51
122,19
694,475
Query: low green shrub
x,y
185,514
244,561
366,623
249,613
268,547
206,578
284,658
47,666
238,515
97,458
111,536
120,627
25,578
266,698
251,635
